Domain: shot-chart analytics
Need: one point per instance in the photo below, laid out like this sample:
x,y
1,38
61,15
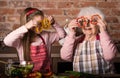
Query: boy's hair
x,y
28,14
28,37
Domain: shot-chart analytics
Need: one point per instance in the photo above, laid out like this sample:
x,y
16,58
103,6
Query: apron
x,y
89,58
39,57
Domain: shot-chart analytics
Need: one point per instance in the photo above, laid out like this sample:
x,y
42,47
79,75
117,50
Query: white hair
x,y
89,11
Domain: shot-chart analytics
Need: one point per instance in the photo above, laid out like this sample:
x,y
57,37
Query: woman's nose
x,y
88,23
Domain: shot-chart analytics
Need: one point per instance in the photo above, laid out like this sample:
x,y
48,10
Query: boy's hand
x,y
31,24
51,19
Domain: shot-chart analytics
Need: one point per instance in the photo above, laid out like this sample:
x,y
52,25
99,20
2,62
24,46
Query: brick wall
x,y
10,14
10,11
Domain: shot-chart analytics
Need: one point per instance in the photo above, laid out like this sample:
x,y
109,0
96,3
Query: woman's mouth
x,y
87,28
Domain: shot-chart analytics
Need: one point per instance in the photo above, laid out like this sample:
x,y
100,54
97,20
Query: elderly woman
x,y
93,51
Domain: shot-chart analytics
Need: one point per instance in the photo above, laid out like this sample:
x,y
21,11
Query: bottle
x,y
8,67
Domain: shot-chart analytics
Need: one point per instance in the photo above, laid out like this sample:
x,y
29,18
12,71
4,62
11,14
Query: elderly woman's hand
x,y
102,25
72,26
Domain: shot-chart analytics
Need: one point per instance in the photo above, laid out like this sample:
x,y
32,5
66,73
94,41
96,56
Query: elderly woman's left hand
x,y
102,24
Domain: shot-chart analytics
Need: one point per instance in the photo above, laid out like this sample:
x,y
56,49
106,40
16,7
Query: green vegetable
x,y
29,66
81,74
63,77
16,73
74,73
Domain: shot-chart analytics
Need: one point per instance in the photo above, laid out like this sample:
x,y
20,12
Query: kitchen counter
x,y
82,76
10,53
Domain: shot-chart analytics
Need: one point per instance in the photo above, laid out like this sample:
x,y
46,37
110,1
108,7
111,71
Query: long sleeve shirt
x,y
109,49
13,39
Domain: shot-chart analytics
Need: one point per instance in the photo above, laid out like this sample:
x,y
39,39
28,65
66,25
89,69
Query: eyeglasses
x,y
84,21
